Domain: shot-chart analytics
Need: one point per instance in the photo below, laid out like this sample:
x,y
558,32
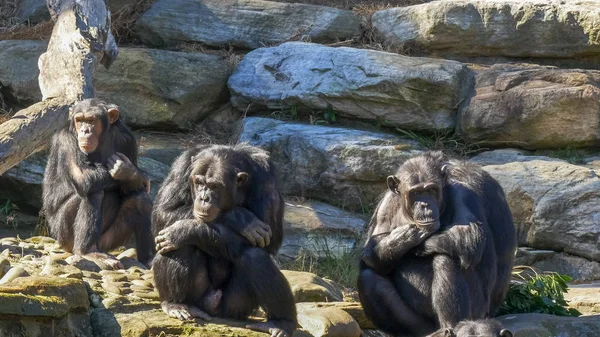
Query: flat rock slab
x,y
533,107
584,297
541,325
341,166
308,287
391,89
515,28
243,23
354,309
555,205
327,322
153,88
320,229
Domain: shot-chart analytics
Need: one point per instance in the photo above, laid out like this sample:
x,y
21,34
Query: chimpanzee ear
x,y
449,333
242,178
506,333
113,113
445,169
393,182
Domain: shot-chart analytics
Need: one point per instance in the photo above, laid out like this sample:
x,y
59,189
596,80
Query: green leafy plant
x,y
534,292
571,154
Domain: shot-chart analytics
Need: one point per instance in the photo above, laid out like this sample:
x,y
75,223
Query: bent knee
x,y
139,201
249,255
367,279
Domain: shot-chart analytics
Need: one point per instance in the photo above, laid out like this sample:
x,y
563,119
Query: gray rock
x,y
584,297
341,166
394,90
541,325
504,156
22,184
157,172
153,88
518,28
243,23
579,268
161,147
33,11
320,229
533,107
555,205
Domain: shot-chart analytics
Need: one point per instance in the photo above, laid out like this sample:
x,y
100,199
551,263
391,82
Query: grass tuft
x,y
445,140
123,20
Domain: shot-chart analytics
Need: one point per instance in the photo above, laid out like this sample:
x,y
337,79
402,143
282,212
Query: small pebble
x,y
12,274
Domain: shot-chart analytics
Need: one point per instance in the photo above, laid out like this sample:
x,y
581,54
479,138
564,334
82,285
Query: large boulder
x,y
391,89
516,28
32,11
153,88
578,268
555,205
533,107
319,229
341,166
243,23
542,325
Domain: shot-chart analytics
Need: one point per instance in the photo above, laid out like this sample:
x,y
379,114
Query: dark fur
x,y
252,279
94,209
415,282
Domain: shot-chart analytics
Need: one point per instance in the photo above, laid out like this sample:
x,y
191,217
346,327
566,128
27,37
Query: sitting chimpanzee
x,y
480,328
94,195
216,204
440,249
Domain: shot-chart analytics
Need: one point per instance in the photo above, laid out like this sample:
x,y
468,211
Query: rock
x,y
159,88
4,266
32,11
344,167
308,287
319,228
153,88
327,322
54,267
555,205
130,253
533,107
12,274
525,28
542,325
157,172
584,297
19,71
354,309
504,156
579,268
390,89
245,24
160,147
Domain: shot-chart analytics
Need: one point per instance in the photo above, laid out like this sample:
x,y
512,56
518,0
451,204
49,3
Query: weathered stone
x,y
342,166
555,205
43,296
524,28
32,11
153,88
246,23
354,309
390,89
128,304
12,274
4,266
584,297
161,147
541,325
54,267
504,156
533,107
320,229
579,268
327,322
115,277
308,287
142,283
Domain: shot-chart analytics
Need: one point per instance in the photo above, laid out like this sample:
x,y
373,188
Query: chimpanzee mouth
x,y
427,222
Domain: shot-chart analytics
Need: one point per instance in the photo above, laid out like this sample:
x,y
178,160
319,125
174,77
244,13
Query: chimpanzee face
x,y
89,122
420,187
215,187
484,328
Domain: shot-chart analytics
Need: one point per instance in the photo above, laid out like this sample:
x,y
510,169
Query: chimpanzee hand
x,y
409,235
258,233
169,238
120,167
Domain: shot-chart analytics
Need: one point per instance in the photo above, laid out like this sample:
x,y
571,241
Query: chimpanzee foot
x,y
212,301
183,312
107,259
275,328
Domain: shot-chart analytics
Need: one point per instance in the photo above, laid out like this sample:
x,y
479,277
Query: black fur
x,y
413,281
251,277
91,211
480,328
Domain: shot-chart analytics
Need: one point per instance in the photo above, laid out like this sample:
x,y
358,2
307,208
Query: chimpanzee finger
x,y
259,239
250,237
265,235
123,157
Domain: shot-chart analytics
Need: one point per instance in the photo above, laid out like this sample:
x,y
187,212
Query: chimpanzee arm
x,y
245,223
388,241
463,234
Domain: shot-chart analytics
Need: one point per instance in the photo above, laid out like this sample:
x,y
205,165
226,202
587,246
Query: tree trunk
x,y
81,34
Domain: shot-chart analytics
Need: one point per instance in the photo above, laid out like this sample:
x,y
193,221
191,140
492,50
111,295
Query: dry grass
x,y
11,28
351,4
123,20
230,55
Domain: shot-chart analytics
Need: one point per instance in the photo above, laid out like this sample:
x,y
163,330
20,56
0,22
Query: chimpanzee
x,y
215,205
94,194
440,248
480,328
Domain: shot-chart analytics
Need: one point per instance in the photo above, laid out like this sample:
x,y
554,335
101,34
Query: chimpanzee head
x,y
420,183
217,182
483,328
90,121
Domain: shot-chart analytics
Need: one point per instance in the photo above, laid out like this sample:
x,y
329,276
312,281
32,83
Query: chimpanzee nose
x,y
205,197
423,206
